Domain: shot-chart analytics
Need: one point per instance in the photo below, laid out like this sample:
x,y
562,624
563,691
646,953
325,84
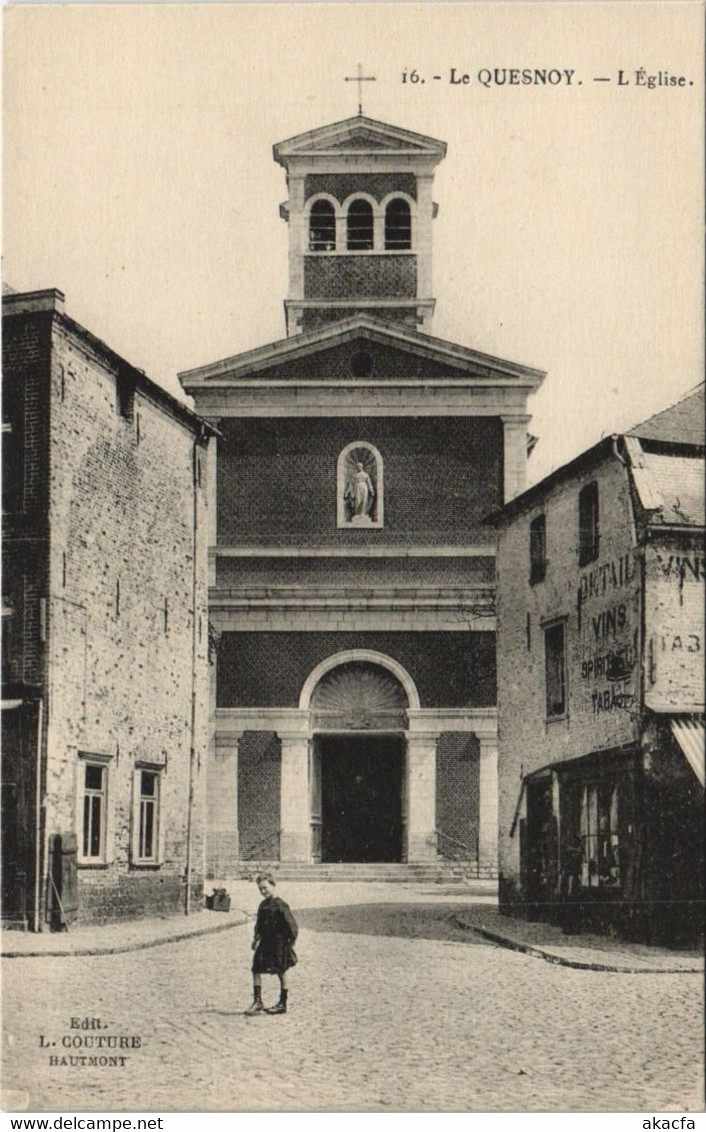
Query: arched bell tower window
x,y
360,487
398,225
322,227
359,226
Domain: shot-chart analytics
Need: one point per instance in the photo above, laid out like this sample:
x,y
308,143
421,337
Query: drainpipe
x,y
194,646
38,819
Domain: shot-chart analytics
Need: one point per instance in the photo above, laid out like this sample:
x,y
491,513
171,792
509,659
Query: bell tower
x,y
360,215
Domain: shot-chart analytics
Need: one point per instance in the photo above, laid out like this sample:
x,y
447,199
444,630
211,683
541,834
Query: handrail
x,y
448,837
260,843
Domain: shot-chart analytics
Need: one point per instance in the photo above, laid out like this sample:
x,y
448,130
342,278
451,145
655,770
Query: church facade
x,y
352,587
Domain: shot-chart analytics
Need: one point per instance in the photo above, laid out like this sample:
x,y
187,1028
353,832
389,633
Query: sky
x,y
139,180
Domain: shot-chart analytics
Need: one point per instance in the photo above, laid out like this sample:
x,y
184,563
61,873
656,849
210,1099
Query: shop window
x,y
360,226
555,664
322,227
94,810
398,225
588,524
600,861
146,817
538,548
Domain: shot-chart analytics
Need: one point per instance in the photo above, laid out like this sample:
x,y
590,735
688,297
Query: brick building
x,y
352,579
600,685
105,629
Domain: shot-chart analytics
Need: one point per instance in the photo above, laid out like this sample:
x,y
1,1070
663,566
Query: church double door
x,y
357,798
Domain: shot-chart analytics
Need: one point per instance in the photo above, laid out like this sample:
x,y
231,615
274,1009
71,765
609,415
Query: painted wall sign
x,y
674,614
611,575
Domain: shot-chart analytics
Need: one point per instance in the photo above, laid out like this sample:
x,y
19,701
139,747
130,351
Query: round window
x,y
362,364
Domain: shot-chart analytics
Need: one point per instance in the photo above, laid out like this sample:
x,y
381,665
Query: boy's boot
x,y
256,1007
281,1007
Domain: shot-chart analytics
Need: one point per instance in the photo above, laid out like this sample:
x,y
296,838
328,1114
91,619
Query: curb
x,y
140,945
576,964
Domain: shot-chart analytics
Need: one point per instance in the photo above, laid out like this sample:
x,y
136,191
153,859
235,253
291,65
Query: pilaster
x,y
222,791
514,455
422,238
294,799
488,809
297,236
421,798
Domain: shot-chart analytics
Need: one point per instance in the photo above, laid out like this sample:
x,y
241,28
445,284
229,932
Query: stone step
x,y
373,872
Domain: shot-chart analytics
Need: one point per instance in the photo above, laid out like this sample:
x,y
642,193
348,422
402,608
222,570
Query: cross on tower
x,y
360,78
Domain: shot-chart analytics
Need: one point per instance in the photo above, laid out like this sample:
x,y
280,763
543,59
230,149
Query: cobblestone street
x,y
392,1008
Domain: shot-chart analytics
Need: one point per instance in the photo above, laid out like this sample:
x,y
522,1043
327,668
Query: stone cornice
x,y
378,550
472,398
461,599
483,722
295,723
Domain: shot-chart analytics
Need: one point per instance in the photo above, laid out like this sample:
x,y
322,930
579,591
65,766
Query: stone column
x,y
421,798
341,231
222,793
488,815
515,456
294,799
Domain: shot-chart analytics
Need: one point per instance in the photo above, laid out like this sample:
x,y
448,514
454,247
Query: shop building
x,y
600,685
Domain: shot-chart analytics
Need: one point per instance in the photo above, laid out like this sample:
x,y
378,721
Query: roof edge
x,y
263,356
295,146
51,301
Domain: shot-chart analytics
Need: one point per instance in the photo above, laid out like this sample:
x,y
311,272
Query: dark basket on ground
x,y
218,901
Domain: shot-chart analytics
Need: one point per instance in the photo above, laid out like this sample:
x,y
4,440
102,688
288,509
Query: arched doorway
x,y
358,712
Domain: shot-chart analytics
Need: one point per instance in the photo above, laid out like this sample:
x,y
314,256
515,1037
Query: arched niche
x,y
360,487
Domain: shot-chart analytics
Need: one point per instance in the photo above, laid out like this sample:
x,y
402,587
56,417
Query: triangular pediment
x,y
355,135
360,350
362,139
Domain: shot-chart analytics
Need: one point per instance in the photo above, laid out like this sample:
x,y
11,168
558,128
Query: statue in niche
x,y
360,495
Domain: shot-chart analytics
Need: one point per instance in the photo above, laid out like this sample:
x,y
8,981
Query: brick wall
x,y
457,795
269,669
602,634
26,347
120,622
377,185
354,573
312,319
277,479
360,276
388,362
25,368
24,566
259,775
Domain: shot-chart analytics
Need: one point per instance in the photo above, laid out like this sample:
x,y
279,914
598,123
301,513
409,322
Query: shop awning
x,y
689,734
